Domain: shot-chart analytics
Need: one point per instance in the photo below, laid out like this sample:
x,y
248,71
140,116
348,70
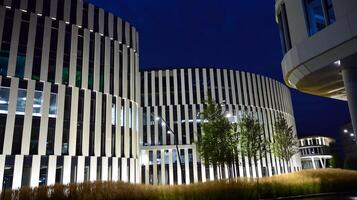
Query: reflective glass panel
x,y
53,105
4,99
37,104
315,16
21,102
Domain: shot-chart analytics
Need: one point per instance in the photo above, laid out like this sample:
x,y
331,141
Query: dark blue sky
x,y
235,34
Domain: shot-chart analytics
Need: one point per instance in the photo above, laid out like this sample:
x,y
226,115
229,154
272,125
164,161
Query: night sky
x,y
233,34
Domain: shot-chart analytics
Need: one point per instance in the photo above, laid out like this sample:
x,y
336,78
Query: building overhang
x,y
314,65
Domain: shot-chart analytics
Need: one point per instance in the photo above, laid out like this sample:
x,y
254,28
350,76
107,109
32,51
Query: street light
x,y
170,131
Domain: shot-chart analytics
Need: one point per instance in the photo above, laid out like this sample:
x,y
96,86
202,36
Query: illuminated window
x,y
319,14
21,102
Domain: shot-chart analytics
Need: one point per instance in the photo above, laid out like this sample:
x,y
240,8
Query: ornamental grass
x,y
299,183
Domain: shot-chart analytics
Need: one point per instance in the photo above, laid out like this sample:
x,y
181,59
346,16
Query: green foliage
x,y
284,144
252,141
219,142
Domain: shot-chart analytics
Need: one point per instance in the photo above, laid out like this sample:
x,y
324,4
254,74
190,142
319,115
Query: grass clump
x,y
299,183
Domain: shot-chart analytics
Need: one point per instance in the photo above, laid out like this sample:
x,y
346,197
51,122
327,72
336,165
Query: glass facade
x,y
21,102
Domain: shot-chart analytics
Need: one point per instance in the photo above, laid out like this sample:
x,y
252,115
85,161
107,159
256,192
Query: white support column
x,y
211,173
2,167
67,169
93,168
203,171
72,140
187,167
171,168
16,181
194,161
104,168
163,172
10,120
313,162
132,170
80,169
26,134
115,171
59,121
51,175
35,170
154,162
42,140
146,163
124,170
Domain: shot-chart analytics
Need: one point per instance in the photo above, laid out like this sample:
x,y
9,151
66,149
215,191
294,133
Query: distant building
x,y
319,40
315,152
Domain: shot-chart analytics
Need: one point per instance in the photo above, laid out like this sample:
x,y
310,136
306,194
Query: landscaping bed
x,y
294,184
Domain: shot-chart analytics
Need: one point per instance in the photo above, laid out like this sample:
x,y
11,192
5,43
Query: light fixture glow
x,y
228,115
337,62
352,134
163,124
3,102
345,131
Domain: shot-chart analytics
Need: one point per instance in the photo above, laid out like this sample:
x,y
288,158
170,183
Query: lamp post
x,y
170,131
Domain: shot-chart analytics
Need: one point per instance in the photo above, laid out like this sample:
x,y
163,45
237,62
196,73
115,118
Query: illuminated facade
x,y
68,97
177,95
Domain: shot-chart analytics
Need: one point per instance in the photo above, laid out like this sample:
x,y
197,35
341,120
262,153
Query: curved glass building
x,y
68,94
178,95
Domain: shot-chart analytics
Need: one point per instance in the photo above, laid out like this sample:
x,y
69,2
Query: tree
x,y
284,145
252,142
219,141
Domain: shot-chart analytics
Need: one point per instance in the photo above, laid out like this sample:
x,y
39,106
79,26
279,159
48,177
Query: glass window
x,y
4,99
114,114
315,15
122,116
53,105
37,104
21,102
330,12
319,14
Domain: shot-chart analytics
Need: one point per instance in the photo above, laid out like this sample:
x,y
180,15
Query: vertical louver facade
x,y
68,94
178,95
